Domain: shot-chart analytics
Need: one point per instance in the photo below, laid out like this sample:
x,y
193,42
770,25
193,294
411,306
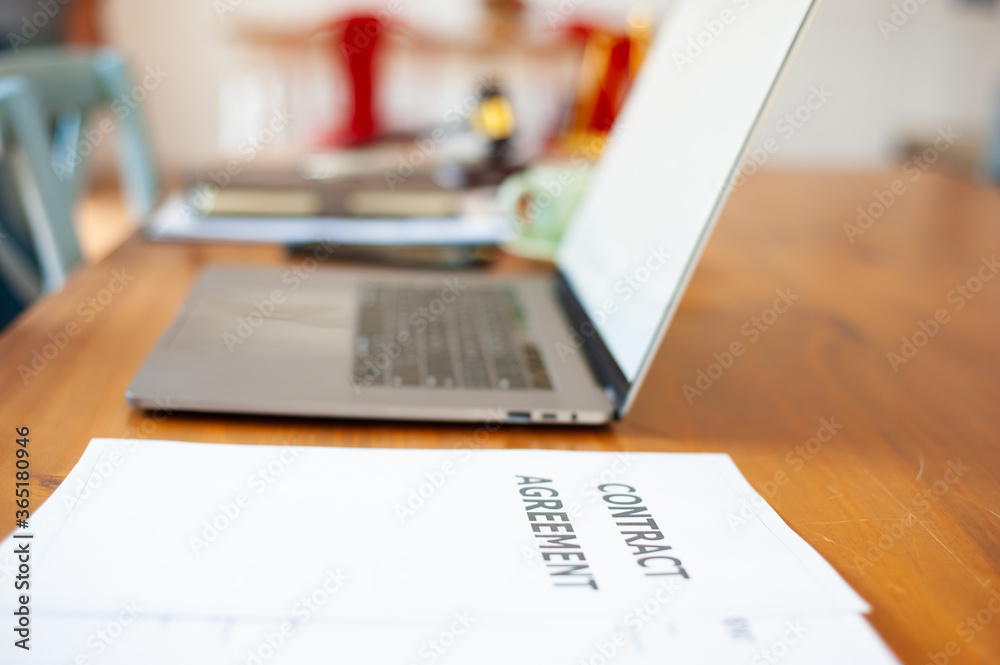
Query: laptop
x,y
568,348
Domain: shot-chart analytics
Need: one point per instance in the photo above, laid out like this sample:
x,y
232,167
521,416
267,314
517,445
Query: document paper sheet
x,y
167,552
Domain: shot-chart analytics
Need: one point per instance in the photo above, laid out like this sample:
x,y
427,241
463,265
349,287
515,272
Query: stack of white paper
x,y
177,220
167,552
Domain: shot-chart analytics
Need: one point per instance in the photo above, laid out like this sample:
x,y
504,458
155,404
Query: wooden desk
x,y
904,500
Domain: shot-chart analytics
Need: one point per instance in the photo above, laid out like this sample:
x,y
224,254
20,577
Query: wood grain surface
x,y
891,470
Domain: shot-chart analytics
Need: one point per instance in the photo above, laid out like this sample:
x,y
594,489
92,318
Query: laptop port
x,y
518,417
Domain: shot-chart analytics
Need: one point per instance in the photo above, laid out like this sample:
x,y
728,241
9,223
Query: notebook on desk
x,y
285,207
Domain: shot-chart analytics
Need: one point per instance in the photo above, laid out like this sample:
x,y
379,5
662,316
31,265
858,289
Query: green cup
x,y
541,201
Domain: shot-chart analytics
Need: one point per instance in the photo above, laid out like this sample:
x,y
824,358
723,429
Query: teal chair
x,y
47,98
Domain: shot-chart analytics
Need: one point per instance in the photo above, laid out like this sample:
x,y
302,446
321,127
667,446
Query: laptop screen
x,y
637,233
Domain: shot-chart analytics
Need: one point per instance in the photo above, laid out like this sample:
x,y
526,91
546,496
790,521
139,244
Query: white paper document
x,y
158,551
176,220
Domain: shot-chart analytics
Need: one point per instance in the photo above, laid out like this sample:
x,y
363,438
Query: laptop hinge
x,y
609,375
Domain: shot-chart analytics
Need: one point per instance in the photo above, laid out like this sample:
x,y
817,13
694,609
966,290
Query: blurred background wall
x,y
893,73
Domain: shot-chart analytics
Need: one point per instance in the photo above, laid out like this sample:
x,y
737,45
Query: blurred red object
x,y
610,62
609,57
356,43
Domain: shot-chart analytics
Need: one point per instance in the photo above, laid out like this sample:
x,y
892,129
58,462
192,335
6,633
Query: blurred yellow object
x,y
583,143
494,117
640,33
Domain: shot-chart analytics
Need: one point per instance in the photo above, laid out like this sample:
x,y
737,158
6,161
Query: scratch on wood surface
x,y
979,505
910,513
50,482
920,471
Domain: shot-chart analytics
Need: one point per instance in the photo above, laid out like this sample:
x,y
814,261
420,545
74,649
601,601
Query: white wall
x,y
941,68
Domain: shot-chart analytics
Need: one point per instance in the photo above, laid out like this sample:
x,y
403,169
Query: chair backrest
x,y
42,202
46,99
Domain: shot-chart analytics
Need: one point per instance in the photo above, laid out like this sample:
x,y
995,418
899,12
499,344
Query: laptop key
x,y
480,340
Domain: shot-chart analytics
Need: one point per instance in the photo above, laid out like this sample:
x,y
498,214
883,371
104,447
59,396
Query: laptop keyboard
x,y
433,337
